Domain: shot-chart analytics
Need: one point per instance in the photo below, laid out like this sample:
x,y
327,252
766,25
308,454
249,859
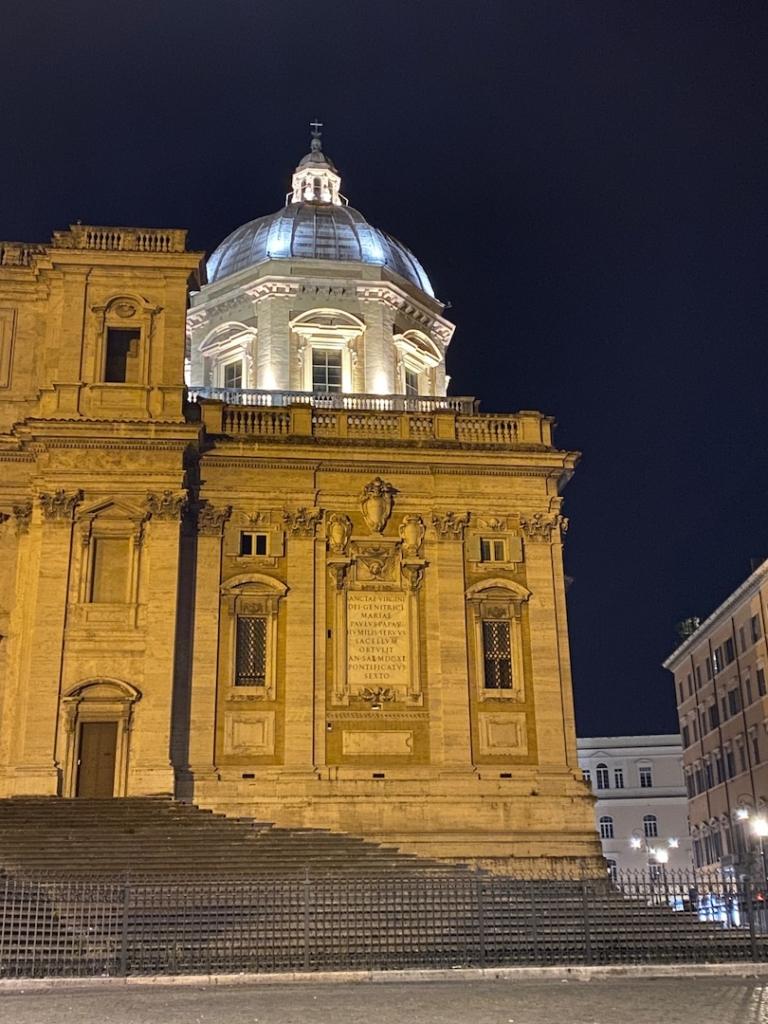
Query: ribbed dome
x,y
314,230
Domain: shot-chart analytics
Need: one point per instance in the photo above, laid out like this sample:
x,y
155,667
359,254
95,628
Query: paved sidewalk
x,y
713,999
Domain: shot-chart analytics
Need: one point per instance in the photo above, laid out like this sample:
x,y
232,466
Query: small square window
x,y
493,550
253,544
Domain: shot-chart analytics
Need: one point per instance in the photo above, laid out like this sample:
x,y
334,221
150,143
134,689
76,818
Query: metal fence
x,y
78,927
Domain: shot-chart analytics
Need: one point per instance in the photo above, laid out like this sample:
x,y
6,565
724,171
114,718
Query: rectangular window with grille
x,y
326,369
497,655
251,655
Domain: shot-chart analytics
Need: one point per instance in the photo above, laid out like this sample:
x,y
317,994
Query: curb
x,y
456,974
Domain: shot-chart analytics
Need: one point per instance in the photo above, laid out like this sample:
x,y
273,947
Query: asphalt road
x,y
599,1001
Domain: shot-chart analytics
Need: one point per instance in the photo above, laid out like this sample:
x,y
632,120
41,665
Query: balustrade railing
x,y
335,400
401,417
116,239
18,254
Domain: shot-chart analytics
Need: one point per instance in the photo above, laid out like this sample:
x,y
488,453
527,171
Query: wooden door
x,y
96,764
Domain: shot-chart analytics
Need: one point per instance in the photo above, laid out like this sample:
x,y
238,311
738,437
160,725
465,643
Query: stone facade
x,y
722,703
285,601
641,808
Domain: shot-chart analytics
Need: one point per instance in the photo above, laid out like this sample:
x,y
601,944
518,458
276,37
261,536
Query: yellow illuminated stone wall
x,y
373,521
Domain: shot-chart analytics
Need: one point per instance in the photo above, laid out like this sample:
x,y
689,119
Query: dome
x,y
315,224
314,230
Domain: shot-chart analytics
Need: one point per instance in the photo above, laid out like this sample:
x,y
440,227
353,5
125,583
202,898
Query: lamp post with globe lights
x,y
657,860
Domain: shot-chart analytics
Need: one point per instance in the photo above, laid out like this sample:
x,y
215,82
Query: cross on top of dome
x,y
316,180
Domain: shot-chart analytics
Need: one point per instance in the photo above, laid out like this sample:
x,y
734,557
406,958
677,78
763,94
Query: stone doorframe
x,y
97,700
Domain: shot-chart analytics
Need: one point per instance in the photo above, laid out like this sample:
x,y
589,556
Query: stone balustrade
x,y
115,239
18,254
336,400
304,420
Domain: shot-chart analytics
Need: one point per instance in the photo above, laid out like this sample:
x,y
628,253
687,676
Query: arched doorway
x,y
97,717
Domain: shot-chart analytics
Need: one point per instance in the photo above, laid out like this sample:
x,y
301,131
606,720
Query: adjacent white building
x,y
642,806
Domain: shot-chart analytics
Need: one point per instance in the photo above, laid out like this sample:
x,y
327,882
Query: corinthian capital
x,y
210,520
541,527
168,505
59,506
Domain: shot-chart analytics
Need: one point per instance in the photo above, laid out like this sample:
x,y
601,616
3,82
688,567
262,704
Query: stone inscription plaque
x,y
377,639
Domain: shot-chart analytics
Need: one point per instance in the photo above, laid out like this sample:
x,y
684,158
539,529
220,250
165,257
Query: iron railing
x,y
139,926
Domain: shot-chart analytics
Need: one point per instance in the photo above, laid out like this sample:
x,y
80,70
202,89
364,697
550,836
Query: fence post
x,y
748,896
585,914
480,917
306,919
124,929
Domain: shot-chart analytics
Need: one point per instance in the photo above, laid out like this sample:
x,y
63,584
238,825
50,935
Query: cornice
x,y
748,588
403,469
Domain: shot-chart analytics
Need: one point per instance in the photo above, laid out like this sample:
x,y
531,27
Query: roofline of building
x,y
653,740
753,582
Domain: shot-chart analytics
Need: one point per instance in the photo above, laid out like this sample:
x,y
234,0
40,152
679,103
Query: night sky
x,y
584,182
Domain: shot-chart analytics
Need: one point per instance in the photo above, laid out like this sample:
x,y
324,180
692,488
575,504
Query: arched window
x,y
606,827
650,826
613,869
417,355
601,776
325,345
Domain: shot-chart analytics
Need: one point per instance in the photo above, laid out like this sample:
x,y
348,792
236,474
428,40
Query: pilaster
x,y
151,772
40,641
548,639
205,634
448,632
300,672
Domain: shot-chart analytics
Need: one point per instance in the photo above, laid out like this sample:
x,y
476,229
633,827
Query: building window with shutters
x,y
253,544
493,549
497,655
251,651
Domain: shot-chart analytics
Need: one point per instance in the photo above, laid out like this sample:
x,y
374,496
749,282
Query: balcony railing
x,y
109,239
337,401
438,424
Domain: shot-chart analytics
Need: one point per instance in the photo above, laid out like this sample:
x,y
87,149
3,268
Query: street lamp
x,y
759,827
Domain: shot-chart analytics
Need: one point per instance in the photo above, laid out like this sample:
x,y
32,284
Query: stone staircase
x,y
153,886
164,838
